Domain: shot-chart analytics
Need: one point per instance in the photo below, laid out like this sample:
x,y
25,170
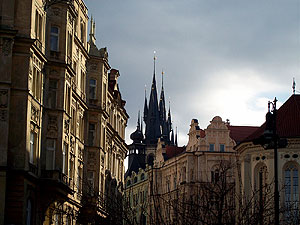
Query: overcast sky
x,y
220,57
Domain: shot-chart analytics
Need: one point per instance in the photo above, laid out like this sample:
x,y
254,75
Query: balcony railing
x,y
33,169
56,175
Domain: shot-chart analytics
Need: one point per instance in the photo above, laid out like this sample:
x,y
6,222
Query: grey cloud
x,y
196,40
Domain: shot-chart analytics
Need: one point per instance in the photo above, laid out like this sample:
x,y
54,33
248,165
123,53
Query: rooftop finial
x,y
154,59
294,85
162,79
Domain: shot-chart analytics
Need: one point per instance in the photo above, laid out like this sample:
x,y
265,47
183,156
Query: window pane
x,y
222,148
32,146
54,30
92,82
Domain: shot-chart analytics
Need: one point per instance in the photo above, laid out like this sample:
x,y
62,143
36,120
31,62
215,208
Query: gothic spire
x,y
152,122
169,118
145,107
92,31
138,122
176,144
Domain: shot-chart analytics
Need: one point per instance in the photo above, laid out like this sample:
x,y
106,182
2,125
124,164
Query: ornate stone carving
x,y
52,122
3,115
67,126
34,114
55,12
94,66
7,45
3,98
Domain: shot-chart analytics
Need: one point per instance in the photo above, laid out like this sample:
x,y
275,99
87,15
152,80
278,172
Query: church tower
x,y
158,125
151,115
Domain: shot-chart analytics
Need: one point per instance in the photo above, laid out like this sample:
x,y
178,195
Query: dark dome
x,y
137,136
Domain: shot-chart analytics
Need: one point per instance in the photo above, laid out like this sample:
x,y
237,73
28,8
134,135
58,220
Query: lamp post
x,y
275,140
270,140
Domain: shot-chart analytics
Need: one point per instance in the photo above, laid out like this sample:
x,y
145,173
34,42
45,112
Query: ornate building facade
x,y
178,188
61,136
256,168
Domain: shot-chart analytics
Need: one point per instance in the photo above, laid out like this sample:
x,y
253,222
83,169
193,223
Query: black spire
x,y
176,144
162,113
152,118
169,121
145,107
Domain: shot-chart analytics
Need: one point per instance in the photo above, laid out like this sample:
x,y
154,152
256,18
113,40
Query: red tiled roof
x,y
288,120
239,133
172,151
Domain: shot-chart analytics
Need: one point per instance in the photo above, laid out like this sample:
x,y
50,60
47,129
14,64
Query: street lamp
x,y
270,140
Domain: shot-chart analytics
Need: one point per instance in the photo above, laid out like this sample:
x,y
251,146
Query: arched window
x,y
135,179
260,189
128,183
291,191
215,175
142,176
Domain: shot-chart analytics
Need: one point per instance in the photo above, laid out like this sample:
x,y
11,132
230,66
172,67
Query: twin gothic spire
x,y
158,125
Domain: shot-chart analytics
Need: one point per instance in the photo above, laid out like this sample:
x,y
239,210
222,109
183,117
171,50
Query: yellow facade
x,y
45,113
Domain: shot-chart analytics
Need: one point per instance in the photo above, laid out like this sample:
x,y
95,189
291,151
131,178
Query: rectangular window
x,y
92,132
36,80
104,92
222,148
70,40
211,147
32,147
50,153
82,85
82,31
68,99
52,96
54,39
73,121
92,93
38,26
81,128
65,159
79,180
71,170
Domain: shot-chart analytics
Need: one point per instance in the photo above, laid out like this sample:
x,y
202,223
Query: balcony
x,y
56,181
33,169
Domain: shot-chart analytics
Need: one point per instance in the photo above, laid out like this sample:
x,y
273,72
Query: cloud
x,y
225,58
